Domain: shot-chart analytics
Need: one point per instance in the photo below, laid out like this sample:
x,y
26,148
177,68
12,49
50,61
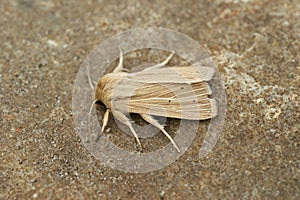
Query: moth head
x,y
103,91
105,87
99,103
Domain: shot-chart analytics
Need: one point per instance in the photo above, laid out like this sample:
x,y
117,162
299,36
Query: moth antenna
x,y
89,78
120,65
89,117
105,120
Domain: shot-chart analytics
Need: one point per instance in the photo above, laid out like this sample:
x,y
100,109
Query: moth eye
x,y
100,103
169,100
182,88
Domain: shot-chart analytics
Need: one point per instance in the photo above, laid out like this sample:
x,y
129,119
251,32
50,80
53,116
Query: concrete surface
x,y
255,45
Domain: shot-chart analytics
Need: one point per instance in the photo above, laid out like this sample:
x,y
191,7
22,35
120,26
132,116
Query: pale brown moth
x,y
154,95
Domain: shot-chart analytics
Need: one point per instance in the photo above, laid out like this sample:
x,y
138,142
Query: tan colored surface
x,y
256,47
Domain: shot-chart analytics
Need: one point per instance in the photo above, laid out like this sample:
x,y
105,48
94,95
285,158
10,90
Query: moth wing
x,y
184,74
175,100
176,92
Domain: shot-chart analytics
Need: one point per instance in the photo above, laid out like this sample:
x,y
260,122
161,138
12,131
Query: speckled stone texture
x,y
255,45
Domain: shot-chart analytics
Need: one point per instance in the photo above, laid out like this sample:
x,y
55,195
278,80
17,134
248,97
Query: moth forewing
x,y
175,92
183,74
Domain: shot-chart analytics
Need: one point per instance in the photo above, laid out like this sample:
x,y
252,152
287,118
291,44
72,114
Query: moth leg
x,y
125,120
119,68
162,63
105,120
155,123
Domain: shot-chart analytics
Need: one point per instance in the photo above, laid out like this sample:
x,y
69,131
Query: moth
x,y
176,92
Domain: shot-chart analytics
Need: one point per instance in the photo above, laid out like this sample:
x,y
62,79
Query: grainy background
x,y
255,45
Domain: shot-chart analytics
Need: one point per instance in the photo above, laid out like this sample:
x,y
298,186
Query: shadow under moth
x,y
175,92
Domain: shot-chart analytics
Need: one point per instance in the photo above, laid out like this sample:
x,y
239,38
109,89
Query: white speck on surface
x,y
52,43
